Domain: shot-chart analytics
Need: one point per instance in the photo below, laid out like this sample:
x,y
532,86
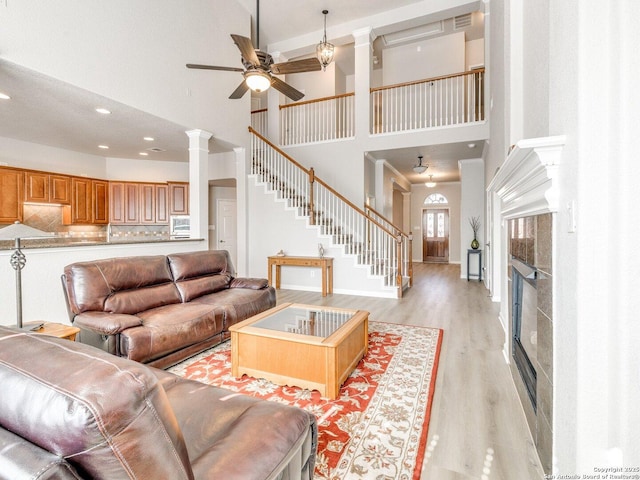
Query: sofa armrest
x,y
106,323
252,283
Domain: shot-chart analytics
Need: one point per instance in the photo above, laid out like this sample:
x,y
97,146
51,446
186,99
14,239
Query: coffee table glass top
x,y
306,320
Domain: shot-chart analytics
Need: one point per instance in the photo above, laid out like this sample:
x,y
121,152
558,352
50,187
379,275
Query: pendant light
x,y
430,183
420,168
325,50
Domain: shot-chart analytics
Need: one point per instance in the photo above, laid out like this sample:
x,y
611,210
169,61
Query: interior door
x,y
226,227
435,235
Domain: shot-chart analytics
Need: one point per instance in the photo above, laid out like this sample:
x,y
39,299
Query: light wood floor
x,y
478,429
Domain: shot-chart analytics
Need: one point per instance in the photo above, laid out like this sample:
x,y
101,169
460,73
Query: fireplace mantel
x,y
527,180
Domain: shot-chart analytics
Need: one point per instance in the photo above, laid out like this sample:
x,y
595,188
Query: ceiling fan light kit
x,y
257,81
325,50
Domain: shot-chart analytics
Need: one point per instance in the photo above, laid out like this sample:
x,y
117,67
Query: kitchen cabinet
x,y
89,203
11,195
162,203
135,203
79,212
42,187
100,202
178,198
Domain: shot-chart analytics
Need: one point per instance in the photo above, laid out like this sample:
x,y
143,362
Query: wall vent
x,y
462,21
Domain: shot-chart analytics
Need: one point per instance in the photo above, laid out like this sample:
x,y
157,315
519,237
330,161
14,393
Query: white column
x,y
242,171
364,38
199,183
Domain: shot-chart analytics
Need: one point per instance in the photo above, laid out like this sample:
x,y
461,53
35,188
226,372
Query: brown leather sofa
x,y
161,309
71,411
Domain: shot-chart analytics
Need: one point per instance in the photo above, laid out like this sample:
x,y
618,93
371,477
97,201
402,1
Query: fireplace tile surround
x,y
530,240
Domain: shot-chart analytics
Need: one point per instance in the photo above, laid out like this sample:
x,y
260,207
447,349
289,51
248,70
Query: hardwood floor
x,y
478,429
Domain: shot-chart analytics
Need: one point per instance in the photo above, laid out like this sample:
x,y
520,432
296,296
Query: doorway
x,y
226,226
435,235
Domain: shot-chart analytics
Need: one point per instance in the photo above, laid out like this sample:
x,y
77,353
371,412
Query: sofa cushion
x,y
120,285
200,273
169,328
108,417
217,424
240,303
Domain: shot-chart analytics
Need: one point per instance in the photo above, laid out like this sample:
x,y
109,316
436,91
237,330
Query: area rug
x,y
377,427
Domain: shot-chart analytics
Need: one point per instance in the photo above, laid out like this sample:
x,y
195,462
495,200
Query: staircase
x,y
373,242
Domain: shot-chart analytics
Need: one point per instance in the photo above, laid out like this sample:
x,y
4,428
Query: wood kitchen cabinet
x,y
42,187
138,203
11,195
89,202
100,202
178,198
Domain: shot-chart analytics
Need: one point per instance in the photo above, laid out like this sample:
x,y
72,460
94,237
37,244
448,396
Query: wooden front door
x,y
435,235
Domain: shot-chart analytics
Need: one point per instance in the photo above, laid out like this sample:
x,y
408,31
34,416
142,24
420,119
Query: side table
x,y
478,252
55,330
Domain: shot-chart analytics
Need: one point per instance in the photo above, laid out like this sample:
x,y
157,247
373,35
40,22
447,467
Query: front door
x,y
435,235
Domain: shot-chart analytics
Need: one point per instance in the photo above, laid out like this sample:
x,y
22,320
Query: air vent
x,y
462,21
155,149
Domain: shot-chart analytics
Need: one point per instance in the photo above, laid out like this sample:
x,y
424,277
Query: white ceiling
x,y
47,111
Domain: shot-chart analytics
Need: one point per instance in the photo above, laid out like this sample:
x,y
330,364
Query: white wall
x,y
146,170
426,59
135,53
471,205
17,153
587,92
474,53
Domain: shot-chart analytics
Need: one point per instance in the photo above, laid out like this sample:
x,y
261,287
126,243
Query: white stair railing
x,y
375,245
319,120
434,102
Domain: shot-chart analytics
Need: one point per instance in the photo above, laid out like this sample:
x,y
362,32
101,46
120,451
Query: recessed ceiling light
x,y
104,111
149,139
471,145
144,154
4,96
104,147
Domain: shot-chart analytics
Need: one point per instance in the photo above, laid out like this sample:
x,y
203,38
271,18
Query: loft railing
x,y
319,120
382,248
406,238
259,120
434,102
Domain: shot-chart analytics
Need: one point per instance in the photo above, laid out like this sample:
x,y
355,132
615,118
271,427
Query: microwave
x,y
180,226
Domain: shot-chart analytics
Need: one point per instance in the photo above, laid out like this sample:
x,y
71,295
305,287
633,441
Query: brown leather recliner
x,y
70,411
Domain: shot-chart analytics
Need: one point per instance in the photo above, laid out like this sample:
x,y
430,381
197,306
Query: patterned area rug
x,y
377,427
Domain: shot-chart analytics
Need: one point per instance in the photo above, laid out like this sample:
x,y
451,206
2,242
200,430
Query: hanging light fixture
x,y
325,50
430,183
420,168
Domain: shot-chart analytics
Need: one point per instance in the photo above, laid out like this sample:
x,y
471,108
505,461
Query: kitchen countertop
x,y
59,242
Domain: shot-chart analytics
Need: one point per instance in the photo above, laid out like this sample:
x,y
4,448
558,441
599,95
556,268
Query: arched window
x,y
435,198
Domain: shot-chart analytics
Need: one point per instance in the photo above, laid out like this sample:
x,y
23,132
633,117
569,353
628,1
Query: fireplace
x,y
524,324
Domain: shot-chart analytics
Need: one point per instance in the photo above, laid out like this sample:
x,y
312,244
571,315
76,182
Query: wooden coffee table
x,y
303,345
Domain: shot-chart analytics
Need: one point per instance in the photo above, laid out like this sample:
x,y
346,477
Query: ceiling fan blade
x,y
212,67
240,91
286,89
296,66
246,49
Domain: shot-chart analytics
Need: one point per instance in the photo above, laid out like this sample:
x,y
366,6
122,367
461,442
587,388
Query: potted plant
x,y
475,226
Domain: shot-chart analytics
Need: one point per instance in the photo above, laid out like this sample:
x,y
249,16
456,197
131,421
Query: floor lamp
x,y
18,260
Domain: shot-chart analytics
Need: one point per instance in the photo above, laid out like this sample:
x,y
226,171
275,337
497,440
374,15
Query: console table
x,y
479,254
325,263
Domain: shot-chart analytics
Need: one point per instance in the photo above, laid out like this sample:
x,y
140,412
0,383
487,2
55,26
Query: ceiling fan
x,y
259,69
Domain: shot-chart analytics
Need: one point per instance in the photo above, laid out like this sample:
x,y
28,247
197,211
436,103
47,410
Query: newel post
x,y
312,208
399,259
